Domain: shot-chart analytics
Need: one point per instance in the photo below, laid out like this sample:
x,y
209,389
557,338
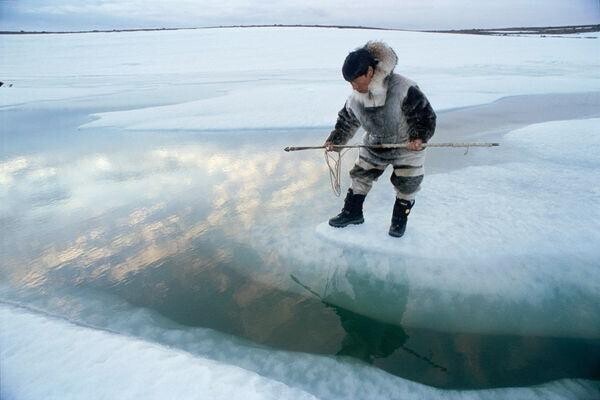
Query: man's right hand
x,y
329,146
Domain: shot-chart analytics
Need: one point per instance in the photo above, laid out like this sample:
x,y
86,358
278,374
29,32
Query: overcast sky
x,y
407,14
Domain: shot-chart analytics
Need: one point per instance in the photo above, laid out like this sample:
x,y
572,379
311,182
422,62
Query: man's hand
x,y
329,146
415,145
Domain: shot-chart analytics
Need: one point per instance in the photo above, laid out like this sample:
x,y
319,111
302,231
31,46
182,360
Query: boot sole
x,y
355,222
395,234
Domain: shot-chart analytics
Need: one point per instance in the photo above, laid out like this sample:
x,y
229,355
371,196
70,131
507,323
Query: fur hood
x,y
387,60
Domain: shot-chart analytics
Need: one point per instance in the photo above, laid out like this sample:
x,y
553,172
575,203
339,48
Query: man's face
x,y
361,84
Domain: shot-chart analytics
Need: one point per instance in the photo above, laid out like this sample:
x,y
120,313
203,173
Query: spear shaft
x,y
392,146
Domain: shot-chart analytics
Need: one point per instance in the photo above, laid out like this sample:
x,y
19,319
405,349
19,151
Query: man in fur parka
x,y
392,110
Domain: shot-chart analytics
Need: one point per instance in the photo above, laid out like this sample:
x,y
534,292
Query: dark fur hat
x,y
357,63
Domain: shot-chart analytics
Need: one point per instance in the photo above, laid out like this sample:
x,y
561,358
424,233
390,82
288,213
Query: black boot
x,y
352,211
400,216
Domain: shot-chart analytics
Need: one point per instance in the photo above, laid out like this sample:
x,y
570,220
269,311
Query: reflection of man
x,y
392,110
367,339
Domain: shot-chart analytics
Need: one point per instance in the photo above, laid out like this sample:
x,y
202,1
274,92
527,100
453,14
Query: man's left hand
x,y
415,145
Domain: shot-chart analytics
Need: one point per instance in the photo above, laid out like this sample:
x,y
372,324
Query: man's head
x,y
358,69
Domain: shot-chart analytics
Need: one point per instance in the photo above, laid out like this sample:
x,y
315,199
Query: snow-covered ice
x,y
51,359
229,78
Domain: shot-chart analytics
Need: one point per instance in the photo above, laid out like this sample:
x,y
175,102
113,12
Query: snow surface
x,y
273,78
47,357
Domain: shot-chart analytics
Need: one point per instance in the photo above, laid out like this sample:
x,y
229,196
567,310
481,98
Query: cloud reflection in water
x,y
117,214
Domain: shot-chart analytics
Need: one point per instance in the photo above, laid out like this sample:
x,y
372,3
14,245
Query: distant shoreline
x,y
545,30
516,31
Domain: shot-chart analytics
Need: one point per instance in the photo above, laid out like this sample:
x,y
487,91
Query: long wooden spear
x,y
335,165
391,146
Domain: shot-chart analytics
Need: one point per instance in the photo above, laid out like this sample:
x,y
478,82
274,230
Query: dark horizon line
x,y
537,29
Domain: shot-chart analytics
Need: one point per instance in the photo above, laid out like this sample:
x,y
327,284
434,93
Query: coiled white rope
x,y
335,167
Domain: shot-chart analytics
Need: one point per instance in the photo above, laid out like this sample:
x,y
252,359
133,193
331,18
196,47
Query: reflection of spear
x,y
391,146
338,309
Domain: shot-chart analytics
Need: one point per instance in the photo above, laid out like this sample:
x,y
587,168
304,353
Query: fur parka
x,y
394,110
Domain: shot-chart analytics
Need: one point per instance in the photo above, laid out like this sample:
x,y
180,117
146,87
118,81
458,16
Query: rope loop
x,y
335,166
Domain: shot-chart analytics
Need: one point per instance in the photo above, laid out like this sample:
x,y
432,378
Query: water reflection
x,y
367,339
144,207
